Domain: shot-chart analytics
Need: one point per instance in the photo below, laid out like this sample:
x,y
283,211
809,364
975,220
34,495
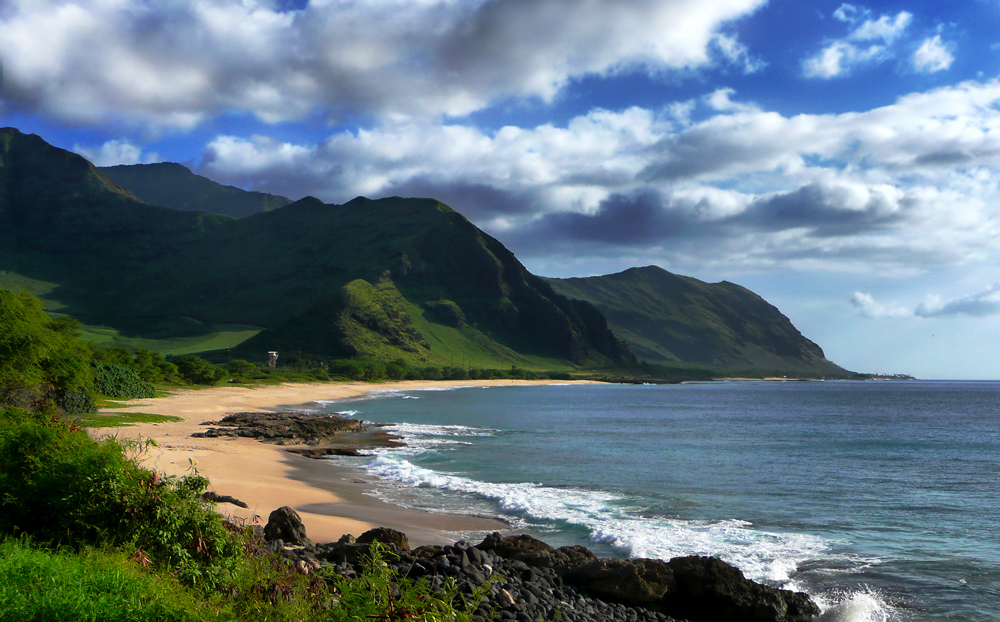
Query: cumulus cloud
x,y
869,307
869,42
908,184
177,63
981,304
113,152
932,56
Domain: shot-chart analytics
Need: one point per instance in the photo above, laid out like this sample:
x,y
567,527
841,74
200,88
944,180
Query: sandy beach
x,y
330,499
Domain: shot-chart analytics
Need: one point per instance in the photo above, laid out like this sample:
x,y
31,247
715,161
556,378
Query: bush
x,y
197,370
75,402
240,367
120,381
57,485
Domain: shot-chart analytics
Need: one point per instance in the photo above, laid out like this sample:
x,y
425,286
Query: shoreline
x,y
330,499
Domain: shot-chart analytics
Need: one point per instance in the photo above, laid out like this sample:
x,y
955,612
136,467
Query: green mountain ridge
x,y
370,278
676,320
176,186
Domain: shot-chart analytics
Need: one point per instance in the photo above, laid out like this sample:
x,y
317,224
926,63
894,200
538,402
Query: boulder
x,y
632,582
710,590
531,551
285,524
395,540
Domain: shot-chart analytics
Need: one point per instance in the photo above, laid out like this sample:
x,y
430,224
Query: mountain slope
x,y
175,186
305,272
674,320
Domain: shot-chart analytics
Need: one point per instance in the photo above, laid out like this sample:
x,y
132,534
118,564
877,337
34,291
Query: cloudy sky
x,y
839,159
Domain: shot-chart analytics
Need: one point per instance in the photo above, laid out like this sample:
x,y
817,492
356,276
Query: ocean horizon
x,y
876,498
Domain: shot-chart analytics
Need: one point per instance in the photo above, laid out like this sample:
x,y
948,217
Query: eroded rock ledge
x,y
283,428
530,580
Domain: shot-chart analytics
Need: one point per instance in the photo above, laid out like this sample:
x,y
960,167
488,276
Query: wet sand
x,y
330,499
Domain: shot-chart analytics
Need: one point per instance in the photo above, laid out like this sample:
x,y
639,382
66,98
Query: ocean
x,y
879,499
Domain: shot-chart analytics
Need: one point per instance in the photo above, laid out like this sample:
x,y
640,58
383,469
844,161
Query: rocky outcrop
x,y
285,524
529,580
711,590
284,428
395,540
635,582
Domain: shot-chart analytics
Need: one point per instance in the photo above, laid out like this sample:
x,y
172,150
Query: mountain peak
x,y
176,186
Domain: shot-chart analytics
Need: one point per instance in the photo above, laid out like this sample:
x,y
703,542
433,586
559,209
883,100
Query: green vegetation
x,y
683,326
121,382
119,420
381,279
86,534
173,185
39,584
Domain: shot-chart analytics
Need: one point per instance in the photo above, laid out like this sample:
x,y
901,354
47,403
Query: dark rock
x,y
322,452
396,540
710,590
283,428
285,524
211,495
627,581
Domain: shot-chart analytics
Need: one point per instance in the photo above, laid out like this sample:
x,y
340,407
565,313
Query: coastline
x,y
331,500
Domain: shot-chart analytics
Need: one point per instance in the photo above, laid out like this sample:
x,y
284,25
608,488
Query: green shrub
x,y
57,485
119,381
197,370
240,367
75,402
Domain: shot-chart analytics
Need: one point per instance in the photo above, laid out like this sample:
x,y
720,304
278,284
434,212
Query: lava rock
x,y
396,540
633,582
285,524
710,590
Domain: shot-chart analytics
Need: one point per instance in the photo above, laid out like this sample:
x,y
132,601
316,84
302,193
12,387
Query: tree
x,y
36,351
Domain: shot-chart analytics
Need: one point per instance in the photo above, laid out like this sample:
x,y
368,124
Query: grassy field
x,y
118,420
226,336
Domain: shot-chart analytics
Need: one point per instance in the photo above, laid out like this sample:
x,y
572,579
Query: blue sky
x,y
840,159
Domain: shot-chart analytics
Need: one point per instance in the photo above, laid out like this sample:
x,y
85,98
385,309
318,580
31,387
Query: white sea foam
x,y
761,555
859,606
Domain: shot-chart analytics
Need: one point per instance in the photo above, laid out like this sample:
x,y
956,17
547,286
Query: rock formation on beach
x,y
529,580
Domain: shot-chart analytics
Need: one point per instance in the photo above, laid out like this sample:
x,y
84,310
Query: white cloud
x,y
113,152
910,185
738,54
868,43
177,63
886,28
980,304
869,307
932,56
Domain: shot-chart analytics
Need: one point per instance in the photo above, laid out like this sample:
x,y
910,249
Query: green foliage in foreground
x,y
39,585
86,534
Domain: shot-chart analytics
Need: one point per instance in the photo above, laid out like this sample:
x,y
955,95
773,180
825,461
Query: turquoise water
x,y
880,499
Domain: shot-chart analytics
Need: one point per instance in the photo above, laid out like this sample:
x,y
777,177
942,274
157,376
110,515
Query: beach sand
x,y
330,499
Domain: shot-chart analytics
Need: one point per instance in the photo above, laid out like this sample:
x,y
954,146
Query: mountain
x,y
389,278
174,185
677,320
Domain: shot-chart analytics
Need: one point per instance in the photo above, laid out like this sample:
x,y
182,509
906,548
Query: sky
x,y
841,160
